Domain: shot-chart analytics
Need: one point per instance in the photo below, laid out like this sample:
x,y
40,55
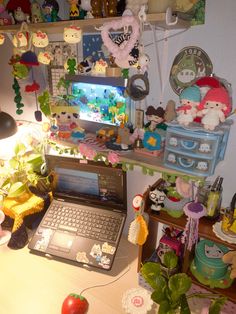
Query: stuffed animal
x,y
189,100
230,258
157,197
135,5
214,107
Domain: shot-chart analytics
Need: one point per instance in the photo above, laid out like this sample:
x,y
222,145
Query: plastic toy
x,y
215,107
230,258
190,98
75,304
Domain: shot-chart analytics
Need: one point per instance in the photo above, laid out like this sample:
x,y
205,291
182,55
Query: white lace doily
x,y
220,234
137,301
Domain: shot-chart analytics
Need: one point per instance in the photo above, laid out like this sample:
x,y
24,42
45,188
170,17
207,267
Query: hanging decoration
x,y
18,98
135,90
72,34
138,230
45,57
40,39
120,49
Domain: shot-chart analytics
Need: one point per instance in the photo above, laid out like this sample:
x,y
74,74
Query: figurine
x,y
155,118
36,12
50,10
214,107
189,100
74,9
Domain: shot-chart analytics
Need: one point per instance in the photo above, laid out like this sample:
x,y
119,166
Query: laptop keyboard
x,y
82,222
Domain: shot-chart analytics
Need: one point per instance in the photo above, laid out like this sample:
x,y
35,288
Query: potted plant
x,y
170,291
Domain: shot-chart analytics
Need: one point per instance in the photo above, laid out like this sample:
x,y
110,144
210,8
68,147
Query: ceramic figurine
x,y
189,100
36,12
40,39
72,34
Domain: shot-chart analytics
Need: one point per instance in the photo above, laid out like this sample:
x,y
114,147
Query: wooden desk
x,y
34,284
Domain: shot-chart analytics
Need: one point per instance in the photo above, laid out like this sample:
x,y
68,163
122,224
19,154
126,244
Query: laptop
x,y
85,219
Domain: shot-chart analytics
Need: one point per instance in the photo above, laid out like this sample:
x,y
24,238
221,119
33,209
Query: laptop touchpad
x,y
61,241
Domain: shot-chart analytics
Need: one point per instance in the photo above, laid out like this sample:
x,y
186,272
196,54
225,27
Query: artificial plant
x,y
170,291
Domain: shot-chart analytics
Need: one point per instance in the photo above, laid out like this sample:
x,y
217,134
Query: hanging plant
x,y
17,98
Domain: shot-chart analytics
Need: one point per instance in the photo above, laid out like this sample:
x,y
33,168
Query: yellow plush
x,y
230,258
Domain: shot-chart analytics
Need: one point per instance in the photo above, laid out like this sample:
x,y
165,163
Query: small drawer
x,y
189,164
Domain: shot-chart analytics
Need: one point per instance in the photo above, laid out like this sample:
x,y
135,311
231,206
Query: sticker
x,y
105,262
189,64
109,249
81,257
96,252
42,243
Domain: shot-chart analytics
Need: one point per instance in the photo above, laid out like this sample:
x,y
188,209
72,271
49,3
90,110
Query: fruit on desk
x,y
74,304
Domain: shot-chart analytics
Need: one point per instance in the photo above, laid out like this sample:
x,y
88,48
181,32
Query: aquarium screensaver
x,y
101,103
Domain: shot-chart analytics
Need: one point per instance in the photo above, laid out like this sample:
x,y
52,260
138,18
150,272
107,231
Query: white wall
x,y
216,37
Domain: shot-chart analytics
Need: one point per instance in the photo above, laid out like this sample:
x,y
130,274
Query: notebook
x,y
85,219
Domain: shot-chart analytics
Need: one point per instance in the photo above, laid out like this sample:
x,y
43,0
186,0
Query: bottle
x,y
214,198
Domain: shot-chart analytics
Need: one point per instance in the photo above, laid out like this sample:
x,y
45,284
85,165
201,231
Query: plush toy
x,y
157,197
230,258
155,118
189,100
215,106
135,5
36,12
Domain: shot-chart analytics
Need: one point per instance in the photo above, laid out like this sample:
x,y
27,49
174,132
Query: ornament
x,y
20,40
137,300
122,51
45,57
17,98
40,39
29,58
72,34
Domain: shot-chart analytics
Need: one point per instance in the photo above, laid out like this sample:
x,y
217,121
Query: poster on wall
x,y
189,64
61,51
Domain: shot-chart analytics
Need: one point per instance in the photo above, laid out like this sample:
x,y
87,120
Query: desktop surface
x,y
32,284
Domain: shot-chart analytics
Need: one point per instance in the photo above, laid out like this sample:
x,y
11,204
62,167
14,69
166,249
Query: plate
x,y
190,64
220,234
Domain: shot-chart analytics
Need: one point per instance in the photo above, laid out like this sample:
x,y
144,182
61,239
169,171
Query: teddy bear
x,y
135,5
230,258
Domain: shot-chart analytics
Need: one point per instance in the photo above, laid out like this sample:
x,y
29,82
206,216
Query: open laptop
x,y
84,221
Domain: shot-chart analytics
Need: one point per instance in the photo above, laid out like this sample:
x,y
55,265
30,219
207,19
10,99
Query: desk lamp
x,y
8,125
8,128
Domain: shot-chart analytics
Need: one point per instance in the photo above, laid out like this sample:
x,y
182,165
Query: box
x,y
195,151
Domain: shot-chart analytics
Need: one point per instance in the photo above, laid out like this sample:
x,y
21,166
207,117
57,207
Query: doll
x,y
74,9
155,118
189,100
214,107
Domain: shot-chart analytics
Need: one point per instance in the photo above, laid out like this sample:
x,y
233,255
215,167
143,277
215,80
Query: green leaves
x,y
215,307
170,260
44,103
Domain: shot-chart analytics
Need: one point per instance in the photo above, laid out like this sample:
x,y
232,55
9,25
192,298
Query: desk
x,y
31,284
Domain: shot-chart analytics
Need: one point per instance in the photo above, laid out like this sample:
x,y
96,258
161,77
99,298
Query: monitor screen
x,y
104,104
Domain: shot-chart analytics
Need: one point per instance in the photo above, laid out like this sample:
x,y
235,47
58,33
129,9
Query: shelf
x,y
228,292
204,229
90,25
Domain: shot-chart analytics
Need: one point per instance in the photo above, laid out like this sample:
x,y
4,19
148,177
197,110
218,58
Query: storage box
x,y
195,150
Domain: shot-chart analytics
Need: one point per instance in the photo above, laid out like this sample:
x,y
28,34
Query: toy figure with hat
x,y
214,107
190,98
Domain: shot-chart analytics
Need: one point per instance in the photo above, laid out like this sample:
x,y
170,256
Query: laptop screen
x,y
90,182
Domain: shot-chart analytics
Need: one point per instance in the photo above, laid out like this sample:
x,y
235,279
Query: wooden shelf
x,y
204,229
90,25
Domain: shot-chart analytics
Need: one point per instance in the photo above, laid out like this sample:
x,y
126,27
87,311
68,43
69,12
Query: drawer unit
x,y
195,151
